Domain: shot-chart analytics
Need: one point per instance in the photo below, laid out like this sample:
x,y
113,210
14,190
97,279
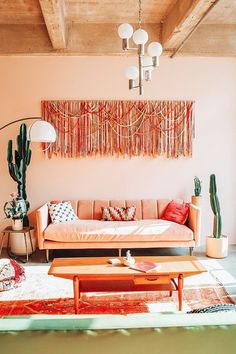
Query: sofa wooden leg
x,y
191,251
47,256
119,250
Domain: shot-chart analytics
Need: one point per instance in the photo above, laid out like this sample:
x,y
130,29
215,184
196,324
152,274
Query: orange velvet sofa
x,y
90,232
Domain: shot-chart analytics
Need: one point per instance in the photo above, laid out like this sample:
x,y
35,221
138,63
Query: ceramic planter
x,y
196,200
17,224
217,247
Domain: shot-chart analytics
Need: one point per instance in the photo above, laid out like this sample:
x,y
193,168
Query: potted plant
x,y
196,198
216,244
15,210
18,161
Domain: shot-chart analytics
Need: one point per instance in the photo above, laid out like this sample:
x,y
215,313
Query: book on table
x,y
146,267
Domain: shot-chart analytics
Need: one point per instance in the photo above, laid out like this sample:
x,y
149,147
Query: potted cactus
x,y
216,244
196,198
18,161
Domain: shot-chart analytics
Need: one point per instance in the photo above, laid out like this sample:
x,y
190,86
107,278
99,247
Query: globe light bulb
x,y
154,49
132,72
140,36
125,31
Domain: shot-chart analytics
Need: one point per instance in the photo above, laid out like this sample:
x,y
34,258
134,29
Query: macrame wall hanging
x,y
121,128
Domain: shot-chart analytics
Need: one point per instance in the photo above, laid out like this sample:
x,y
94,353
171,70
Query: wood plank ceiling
x,y
89,27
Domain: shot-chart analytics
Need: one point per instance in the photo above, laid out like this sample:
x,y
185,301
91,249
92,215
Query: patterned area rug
x,y
44,294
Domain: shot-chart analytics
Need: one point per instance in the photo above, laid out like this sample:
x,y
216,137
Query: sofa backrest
x,y
145,208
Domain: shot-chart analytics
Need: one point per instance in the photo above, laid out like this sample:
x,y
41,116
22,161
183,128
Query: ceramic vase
x,y
196,200
17,224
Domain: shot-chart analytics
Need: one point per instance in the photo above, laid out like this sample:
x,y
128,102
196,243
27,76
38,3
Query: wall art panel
x,y
121,128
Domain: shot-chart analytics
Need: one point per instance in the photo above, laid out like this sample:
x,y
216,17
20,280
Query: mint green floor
x,y
196,340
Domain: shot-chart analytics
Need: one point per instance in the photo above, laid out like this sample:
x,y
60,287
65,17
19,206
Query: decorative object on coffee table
x,y
15,210
128,260
26,231
217,244
97,275
196,198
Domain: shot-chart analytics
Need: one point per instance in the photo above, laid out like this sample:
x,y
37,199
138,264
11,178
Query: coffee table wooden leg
x,y
180,290
76,293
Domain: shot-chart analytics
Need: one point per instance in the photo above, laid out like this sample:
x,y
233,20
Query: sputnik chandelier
x,y
146,63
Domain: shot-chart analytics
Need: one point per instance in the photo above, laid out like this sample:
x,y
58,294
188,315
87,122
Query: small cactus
x,y
215,206
17,169
197,186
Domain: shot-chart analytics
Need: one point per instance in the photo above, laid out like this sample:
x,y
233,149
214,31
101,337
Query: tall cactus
x,y
17,169
215,206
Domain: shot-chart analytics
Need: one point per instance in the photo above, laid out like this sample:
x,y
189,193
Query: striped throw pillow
x,y
118,213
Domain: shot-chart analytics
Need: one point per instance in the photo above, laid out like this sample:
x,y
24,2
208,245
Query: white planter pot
x,y
197,200
17,224
217,247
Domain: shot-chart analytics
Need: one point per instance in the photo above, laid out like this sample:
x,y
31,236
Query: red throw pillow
x,y
177,212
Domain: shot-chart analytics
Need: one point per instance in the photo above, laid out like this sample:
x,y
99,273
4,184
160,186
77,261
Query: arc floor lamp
x,y
40,131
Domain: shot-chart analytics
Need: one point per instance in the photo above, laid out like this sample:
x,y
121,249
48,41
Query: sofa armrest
x,y
42,220
194,222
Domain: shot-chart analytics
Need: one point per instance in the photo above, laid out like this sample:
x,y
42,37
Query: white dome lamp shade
x,y
125,32
140,37
41,132
132,73
155,50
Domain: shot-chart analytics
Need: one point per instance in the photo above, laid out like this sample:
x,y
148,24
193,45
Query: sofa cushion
x,y
176,212
61,212
119,213
115,231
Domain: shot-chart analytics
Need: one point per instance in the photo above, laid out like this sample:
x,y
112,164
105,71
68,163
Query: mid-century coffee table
x,y
97,275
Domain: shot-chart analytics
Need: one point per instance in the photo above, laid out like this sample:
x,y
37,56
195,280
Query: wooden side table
x,y
9,232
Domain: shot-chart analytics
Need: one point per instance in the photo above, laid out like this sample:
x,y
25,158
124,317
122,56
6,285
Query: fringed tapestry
x,y
120,128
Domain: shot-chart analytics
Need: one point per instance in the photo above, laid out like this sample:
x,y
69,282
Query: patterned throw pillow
x,y
118,213
176,212
61,212
11,274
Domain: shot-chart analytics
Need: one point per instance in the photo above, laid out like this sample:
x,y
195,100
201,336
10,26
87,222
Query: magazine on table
x,y
146,267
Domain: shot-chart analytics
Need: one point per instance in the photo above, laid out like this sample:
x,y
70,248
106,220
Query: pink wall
x,y
25,81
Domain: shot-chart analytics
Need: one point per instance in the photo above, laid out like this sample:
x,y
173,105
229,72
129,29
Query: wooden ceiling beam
x,y
84,39
212,40
182,20
53,13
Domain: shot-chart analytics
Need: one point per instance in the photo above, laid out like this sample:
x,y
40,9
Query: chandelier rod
x,y
140,13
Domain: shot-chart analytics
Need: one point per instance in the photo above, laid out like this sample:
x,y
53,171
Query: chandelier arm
x,y
20,120
131,49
